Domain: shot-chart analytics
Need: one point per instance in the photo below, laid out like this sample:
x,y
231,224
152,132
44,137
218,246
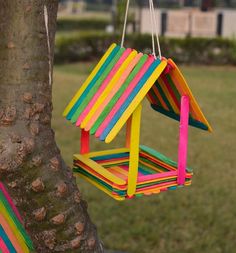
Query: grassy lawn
x,y
200,218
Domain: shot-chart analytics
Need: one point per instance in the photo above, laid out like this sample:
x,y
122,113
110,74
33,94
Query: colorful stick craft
x,y
13,237
111,97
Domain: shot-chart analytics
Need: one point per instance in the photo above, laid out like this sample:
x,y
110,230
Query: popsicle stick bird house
x,y
110,98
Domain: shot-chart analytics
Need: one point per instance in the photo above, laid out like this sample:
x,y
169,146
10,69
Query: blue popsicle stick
x,y
129,99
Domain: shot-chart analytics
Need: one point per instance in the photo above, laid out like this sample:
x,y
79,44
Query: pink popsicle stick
x,y
3,247
113,91
103,86
183,139
167,184
7,196
157,176
124,96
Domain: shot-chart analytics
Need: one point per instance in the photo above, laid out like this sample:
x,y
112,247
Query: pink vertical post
x,y
84,142
183,139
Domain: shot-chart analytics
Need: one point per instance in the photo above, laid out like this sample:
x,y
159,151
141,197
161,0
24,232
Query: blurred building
x,y
190,22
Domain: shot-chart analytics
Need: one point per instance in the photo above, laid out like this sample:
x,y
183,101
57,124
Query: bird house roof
x,y
119,83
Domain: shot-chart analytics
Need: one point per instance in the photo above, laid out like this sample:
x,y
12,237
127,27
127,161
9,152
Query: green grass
x,y
199,218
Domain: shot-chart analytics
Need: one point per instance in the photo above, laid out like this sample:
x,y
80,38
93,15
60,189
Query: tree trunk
x,y
31,167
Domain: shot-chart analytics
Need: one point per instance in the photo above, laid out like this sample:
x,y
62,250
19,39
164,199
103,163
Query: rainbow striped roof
x,y
13,237
166,93
119,83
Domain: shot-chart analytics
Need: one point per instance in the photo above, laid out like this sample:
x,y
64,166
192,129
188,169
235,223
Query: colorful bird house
x,y
110,98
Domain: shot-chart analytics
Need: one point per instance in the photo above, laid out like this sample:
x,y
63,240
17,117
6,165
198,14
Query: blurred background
x,y
200,37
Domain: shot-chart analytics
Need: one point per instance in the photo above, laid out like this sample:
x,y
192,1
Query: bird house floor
x,y
108,170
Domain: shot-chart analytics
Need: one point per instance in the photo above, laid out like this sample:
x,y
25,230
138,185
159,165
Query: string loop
x,y
154,28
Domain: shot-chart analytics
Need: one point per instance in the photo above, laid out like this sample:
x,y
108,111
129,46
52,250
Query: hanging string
x,y
125,23
152,27
156,30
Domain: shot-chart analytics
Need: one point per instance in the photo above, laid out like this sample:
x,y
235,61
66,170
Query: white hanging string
x,y
125,23
156,30
152,27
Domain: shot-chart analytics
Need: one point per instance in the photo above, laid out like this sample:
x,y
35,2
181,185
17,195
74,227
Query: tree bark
x,y
31,166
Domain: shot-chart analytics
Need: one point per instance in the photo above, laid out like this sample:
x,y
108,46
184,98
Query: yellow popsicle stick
x,y
115,162
11,223
179,77
88,80
121,171
109,87
102,188
142,93
134,150
104,152
101,170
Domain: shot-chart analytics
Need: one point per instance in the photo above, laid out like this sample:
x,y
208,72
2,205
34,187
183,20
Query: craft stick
x,y
155,168
6,240
157,163
95,84
170,96
192,122
84,142
102,188
114,161
163,104
167,81
157,155
106,87
118,172
101,170
163,96
183,139
154,187
14,229
89,79
128,99
180,85
8,198
176,74
128,132
87,171
122,171
146,87
83,168
125,95
96,111
104,152
162,175
134,150
122,89
8,230
3,247
152,98
17,227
